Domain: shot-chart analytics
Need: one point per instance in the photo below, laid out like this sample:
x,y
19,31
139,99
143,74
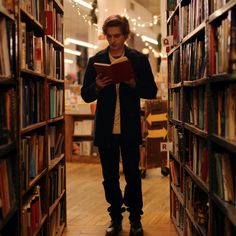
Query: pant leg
x,y
110,158
133,189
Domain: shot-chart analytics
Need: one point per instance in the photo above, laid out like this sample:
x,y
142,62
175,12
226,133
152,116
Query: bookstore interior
x,y
47,129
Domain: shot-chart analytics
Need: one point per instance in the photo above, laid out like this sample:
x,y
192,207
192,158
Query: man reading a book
x,y
117,122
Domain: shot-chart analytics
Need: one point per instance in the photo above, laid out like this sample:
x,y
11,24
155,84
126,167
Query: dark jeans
x,y
110,158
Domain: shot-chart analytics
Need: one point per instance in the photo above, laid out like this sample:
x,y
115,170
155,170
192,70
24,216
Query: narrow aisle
x,y
86,206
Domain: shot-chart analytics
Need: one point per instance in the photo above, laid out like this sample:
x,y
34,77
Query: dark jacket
x,y
129,98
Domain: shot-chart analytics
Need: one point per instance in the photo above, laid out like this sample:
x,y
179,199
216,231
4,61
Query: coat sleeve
x,y
88,90
145,83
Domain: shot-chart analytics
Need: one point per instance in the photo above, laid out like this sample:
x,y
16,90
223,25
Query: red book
x,y
49,22
119,70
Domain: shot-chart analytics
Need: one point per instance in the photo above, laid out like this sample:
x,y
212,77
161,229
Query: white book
x,y
5,47
78,125
87,127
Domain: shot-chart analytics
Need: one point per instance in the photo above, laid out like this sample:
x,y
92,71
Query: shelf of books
x,y
40,73
202,115
79,122
9,165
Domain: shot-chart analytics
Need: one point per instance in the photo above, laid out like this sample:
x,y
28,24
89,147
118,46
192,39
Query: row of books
x,y
9,5
177,210
173,29
197,204
224,181
32,212
56,101
174,172
35,8
225,111
57,219
175,137
196,108
6,56
31,50
7,119
194,60
197,156
32,101
190,230
221,224
217,4
192,15
7,190
56,183
174,68
54,21
33,153
222,43
175,105
84,148
83,127
171,4
56,141
53,62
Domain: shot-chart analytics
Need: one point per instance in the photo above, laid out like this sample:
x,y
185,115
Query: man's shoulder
x,y
99,54
135,53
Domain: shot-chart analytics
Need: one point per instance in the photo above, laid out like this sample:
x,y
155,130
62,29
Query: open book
x,y
119,70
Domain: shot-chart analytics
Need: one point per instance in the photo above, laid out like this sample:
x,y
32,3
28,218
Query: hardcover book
x,y
119,70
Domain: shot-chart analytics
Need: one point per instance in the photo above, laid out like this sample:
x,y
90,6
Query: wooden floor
x,y
86,206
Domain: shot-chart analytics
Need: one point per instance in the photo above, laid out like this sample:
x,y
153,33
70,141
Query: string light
x,y
136,23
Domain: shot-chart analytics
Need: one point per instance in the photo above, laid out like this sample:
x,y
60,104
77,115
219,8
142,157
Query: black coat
x,y
129,98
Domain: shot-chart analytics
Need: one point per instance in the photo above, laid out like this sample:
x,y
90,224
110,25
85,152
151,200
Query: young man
x,y
117,123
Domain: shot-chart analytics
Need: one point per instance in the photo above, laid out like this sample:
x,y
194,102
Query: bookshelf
x,y
40,129
202,115
79,119
9,165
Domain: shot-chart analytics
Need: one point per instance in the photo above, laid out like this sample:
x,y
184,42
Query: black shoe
x,y
136,229
114,228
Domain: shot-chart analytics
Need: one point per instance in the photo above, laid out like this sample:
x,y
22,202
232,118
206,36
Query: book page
x,y
121,59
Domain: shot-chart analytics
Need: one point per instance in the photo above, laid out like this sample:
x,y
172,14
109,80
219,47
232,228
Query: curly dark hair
x,y
114,21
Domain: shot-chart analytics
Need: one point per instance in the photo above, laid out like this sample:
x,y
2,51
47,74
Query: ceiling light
x,y
83,3
74,52
81,43
68,61
145,50
150,40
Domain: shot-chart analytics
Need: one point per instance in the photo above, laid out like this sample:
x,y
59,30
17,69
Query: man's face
x,y
115,38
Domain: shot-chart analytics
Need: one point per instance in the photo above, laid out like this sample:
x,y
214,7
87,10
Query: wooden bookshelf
x,y
72,135
202,114
32,129
9,165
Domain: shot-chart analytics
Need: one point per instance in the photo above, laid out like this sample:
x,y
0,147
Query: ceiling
x,y
75,26
151,5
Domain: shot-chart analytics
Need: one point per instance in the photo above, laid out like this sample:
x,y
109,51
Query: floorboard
x,y
86,205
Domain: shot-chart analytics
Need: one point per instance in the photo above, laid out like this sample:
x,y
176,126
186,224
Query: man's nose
x,y
112,39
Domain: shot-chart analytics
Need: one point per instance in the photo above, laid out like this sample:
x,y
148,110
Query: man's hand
x,y
102,81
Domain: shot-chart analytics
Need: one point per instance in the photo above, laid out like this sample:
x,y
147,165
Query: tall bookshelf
x,y
42,129
9,165
32,129
202,115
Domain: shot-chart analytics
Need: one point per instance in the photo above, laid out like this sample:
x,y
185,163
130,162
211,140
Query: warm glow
x,y
74,52
150,40
81,43
83,3
68,61
145,50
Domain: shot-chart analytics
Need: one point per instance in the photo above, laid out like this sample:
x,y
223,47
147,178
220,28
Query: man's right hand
x,y
102,81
